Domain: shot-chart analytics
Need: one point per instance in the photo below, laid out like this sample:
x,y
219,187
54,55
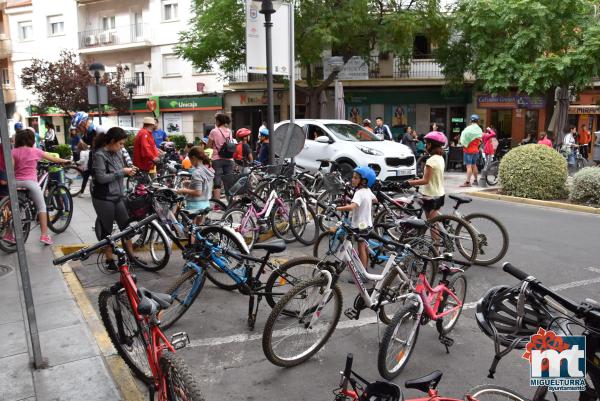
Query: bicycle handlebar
x,y
84,253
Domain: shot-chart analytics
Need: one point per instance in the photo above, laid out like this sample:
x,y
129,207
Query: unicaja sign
x,y
557,362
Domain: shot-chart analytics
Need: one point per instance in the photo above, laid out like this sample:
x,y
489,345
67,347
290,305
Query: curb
x,y
124,380
537,202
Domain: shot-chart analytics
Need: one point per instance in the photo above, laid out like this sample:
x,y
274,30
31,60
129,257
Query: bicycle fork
x,y
317,313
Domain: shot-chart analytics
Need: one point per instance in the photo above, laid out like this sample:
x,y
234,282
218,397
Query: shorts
x,y
470,158
221,167
191,205
433,202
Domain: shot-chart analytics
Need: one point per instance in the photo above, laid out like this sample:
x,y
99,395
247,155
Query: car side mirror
x,y
323,139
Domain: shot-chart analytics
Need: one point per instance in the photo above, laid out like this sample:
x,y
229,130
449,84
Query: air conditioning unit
x,y
91,40
107,38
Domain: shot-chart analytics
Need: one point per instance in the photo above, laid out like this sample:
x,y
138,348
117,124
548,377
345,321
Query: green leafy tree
x,y
63,84
534,46
345,27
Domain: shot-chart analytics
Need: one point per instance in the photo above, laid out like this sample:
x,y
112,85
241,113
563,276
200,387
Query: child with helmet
x,y
263,153
243,151
362,180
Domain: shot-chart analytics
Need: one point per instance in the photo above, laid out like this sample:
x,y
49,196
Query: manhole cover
x,y
4,270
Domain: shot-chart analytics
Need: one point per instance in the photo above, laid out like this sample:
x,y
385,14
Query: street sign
x,y
256,54
102,91
287,141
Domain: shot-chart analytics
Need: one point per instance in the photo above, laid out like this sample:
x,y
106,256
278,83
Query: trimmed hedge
x,y
179,140
586,187
64,151
534,171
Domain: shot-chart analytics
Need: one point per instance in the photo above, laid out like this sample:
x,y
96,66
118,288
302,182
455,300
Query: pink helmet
x,y
436,136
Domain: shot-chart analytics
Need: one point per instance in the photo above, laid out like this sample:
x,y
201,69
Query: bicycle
x,y
355,388
313,307
59,206
511,315
422,304
129,314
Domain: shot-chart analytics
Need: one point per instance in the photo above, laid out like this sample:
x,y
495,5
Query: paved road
x,y
556,246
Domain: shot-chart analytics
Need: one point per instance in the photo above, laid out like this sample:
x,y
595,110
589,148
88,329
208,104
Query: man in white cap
x,y
145,152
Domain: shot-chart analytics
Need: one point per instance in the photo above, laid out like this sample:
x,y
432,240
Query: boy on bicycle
x,y
362,180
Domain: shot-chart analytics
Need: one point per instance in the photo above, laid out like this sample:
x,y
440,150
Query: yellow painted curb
x,y
536,202
124,380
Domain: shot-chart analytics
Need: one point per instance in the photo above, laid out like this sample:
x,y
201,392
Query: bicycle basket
x,y
333,183
138,206
236,184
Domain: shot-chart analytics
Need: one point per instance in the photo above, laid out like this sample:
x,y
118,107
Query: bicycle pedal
x,y
352,313
180,340
447,342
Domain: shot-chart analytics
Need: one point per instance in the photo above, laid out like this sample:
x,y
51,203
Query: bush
x,y
129,144
586,187
533,171
179,140
64,151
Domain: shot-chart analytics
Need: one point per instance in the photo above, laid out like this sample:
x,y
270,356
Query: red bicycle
x,y
443,304
355,388
129,314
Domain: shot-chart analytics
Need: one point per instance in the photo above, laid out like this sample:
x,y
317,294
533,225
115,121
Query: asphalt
x,y
554,245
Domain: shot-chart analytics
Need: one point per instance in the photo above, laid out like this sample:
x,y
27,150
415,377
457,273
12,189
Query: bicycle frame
x,y
266,210
432,297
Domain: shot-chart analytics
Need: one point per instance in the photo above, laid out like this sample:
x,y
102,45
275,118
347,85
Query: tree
x,y
533,46
63,84
345,27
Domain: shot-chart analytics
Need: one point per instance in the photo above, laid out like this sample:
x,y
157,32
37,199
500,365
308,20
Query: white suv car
x,y
351,145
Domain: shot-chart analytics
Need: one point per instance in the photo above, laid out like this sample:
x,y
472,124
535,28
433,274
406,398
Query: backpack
x,y
239,151
228,148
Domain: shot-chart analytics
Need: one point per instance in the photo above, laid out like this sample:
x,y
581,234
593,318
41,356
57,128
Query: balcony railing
x,y
136,33
241,76
417,68
142,85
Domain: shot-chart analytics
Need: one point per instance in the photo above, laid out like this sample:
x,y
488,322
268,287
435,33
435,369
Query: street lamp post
x,y
96,71
268,10
130,85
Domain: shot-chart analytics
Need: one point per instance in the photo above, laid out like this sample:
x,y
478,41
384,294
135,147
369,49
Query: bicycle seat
x,y
382,391
425,383
152,302
461,199
413,223
184,174
276,246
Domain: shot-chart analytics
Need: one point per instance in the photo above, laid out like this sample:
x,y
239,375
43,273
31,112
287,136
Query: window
x,y
169,9
5,76
56,25
108,23
25,31
139,78
171,65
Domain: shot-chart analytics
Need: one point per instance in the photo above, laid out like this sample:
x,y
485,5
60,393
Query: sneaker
x,y
46,240
10,238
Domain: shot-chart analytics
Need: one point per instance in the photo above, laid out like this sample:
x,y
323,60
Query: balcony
x,y
241,76
142,85
124,37
425,68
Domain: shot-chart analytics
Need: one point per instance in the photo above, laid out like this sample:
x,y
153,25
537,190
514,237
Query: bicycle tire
x,y
452,285
280,277
503,393
400,231
270,331
492,174
327,221
133,343
74,178
451,240
155,241
6,222
250,234
280,223
179,378
217,209
310,232
406,314
183,297
230,242
59,199
484,240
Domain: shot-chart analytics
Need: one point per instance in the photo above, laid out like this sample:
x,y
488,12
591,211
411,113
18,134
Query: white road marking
x,y
348,324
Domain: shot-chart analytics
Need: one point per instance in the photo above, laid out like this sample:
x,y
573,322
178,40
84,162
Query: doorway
x,y
502,121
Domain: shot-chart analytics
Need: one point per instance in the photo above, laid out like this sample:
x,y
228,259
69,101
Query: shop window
x,y
439,116
531,123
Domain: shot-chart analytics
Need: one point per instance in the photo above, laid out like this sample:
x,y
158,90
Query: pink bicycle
x,y
443,304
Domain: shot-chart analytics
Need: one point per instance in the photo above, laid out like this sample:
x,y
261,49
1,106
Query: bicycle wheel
x,y
398,232
224,240
289,274
181,384
73,180
125,332
492,174
184,291
454,234
6,223
281,219
247,227
288,340
327,221
490,392
411,265
151,248
217,209
326,245
59,206
398,342
458,285
308,233
492,236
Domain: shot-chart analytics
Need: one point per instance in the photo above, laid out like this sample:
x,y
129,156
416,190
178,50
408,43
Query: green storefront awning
x,y
167,104
407,96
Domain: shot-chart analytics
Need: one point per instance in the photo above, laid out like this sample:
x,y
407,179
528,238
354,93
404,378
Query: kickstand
x,y
151,392
253,311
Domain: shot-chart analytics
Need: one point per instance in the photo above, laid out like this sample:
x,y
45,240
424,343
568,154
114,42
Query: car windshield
x,y
352,132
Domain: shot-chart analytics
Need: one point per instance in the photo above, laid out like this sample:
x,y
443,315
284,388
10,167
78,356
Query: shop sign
x,y
190,103
253,98
585,109
510,102
354,69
